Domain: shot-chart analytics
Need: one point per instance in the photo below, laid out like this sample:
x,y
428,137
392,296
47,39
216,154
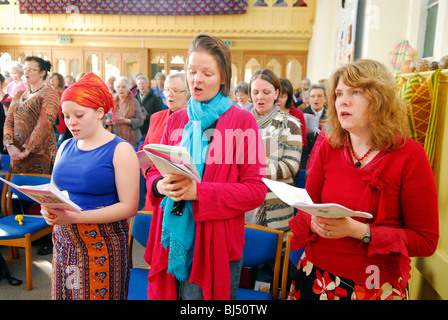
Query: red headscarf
x,y
90,91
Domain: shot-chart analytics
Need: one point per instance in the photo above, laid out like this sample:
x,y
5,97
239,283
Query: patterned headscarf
x,y
90,91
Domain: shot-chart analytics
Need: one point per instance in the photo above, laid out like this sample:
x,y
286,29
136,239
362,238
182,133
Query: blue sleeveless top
x,y
88,176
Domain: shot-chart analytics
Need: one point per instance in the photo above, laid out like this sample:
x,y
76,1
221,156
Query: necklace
x,y
31,91
358,160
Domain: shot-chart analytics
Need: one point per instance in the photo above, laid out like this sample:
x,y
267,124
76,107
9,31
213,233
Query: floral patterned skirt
x,y
312,283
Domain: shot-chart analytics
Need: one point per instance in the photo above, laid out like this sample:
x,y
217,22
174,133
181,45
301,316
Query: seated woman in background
x,y
366,163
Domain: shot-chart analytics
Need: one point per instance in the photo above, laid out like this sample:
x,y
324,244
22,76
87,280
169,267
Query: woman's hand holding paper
x,y
177,187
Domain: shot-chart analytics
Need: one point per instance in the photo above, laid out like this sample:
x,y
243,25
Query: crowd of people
x,y
349,135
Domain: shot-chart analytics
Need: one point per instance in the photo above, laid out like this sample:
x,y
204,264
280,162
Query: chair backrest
x,y
142,191
141,223
4,188
294,258
28,179
22,179
6,162
263,244
139,230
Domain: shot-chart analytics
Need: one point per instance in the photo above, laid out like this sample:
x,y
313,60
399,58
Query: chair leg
x,y
29,263
14,252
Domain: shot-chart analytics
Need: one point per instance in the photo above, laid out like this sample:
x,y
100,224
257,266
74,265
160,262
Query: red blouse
x,y
299,115
398,189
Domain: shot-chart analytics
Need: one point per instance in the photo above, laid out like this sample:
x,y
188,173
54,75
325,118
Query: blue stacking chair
x,y
142,192
13,234
262,244
139,230
301,178
293,257
3,189
6,162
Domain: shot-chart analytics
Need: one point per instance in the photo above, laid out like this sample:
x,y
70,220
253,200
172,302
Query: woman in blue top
x,y
101,174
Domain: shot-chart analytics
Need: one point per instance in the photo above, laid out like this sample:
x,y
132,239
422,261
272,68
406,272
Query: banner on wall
x,y
135,7
347,32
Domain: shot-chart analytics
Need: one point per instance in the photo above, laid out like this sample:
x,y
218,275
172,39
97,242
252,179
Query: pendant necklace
x,y
358,160
31,91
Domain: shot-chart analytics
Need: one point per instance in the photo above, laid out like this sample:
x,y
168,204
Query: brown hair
x,y
220,51
288,89
387,112
269,76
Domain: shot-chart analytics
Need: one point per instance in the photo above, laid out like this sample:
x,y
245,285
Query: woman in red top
x,y
177,97
366,164
57,84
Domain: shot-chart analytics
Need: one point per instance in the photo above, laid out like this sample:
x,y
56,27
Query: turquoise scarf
x,y
178,232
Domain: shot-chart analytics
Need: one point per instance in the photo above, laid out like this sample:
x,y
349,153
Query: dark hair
x,y
269,76
288,89
60,79
44,65
2,79
220,51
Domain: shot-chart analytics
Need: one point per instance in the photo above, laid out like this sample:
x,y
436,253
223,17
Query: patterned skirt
x,y
34,163
312,283
90,262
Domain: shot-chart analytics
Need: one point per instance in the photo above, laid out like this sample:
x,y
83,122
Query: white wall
x,y
441,46
385,26
322,47
402,20
386,23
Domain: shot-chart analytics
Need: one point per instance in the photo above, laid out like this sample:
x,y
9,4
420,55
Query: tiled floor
x,y
41,274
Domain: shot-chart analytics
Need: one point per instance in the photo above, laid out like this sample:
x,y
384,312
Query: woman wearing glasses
x,y
29,136
16,84
176,98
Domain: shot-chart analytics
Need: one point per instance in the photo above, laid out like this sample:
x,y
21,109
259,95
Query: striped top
x,y
281,166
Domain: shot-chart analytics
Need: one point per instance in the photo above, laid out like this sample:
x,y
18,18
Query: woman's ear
x,y
101,113
277,92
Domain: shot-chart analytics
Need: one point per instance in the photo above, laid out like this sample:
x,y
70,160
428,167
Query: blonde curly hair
x,y
387,112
